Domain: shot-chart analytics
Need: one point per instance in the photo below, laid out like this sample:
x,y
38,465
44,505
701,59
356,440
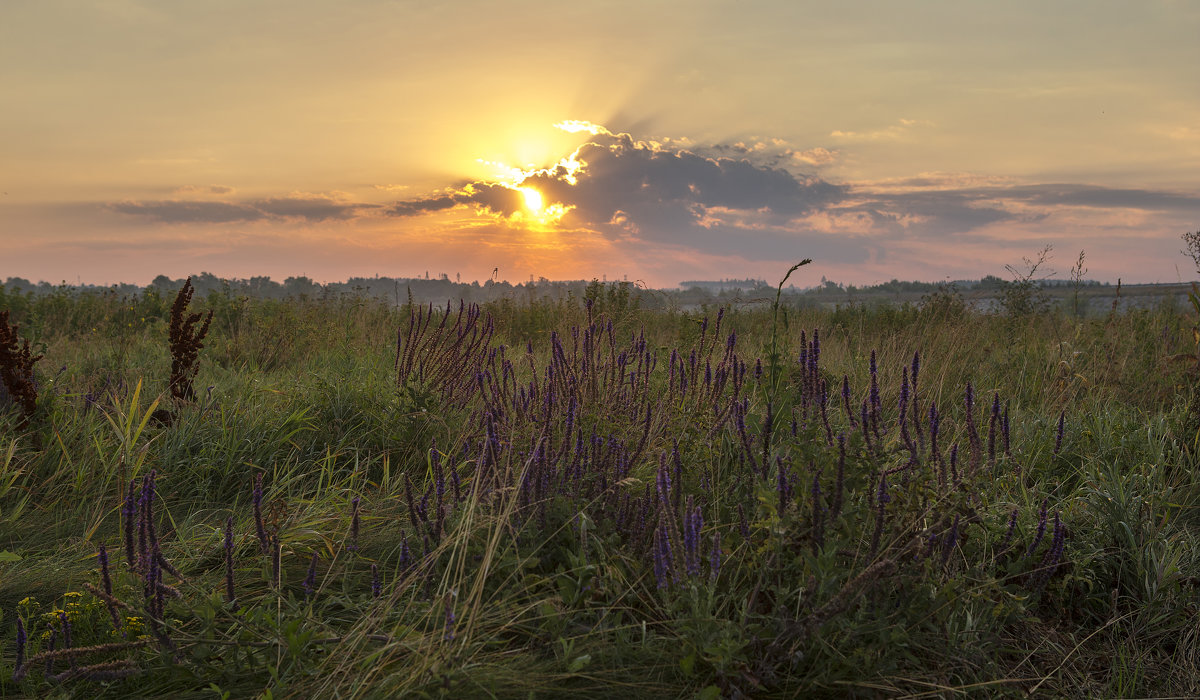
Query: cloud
x,y
894,132
656,191
753,200
204,189
303,207
190,212
493,197
1102,197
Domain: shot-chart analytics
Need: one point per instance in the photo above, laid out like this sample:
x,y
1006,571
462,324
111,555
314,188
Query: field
x,y
340,497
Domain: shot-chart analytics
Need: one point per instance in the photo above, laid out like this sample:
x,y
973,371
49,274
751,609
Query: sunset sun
x,y
533,199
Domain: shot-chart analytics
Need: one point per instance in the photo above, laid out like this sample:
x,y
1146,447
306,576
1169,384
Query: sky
x,y
650,141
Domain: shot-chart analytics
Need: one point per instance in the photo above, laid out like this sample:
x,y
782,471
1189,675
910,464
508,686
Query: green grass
x,y
561,596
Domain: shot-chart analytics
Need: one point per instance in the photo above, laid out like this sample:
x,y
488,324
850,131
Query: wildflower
x,y
846,400
19,666
1058,435
693,522
835,507
405,553
129,514
993,422
973,441
1006,542
376,588
1041,530
106,580
881,501
950,543
662,557
1004,432
448,635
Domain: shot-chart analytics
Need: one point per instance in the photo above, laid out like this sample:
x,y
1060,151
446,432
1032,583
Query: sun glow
x,y
533,199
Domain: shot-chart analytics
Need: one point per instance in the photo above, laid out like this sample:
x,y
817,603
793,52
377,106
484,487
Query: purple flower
x,y
376,588
129,514
405,553
448,635
106,581
310,580
835,507
1041,530
1008,535
692,524
846,400
66,629
1004,430
662,557
993,423
1058,435
876,404
18,667
1051,558
881,500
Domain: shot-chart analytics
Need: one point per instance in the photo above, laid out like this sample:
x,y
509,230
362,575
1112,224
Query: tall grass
x,y
577,496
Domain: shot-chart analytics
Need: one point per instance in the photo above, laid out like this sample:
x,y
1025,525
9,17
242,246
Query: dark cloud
x,y
938,212
496,198
306,208
190,212
654,192
1101,197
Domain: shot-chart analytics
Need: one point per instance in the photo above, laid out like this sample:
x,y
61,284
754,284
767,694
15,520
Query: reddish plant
x,y
16,368
185,343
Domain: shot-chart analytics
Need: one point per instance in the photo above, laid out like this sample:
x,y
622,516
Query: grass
x,y
589,510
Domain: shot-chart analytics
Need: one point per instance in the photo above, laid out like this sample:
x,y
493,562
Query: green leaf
x,y
688,663
6,555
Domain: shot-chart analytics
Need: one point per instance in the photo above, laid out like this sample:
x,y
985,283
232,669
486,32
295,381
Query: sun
x,y
533,199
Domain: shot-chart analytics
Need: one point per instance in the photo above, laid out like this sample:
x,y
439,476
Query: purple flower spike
x,y
376,588
950,543
448,635
662,557
130,515
1041,530
1008,535
881,501
310,580
19,666
1058,435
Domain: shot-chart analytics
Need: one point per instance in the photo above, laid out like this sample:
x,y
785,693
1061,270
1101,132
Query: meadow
x,y
341,497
